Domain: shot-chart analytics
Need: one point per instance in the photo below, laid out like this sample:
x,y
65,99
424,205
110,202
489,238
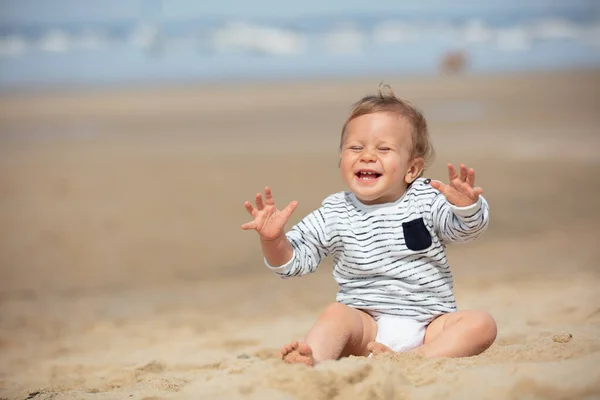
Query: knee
x,y
483,326
335,310
340,313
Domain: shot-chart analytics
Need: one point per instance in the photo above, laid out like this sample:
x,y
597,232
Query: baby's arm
x,y
459,212
307,247
278,251
459,224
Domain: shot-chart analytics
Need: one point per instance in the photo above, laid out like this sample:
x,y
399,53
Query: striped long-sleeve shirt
x,y
388,258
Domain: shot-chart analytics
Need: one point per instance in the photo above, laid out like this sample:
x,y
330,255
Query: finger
x,y
259,202
452,172
251,210
463,173
471,177
289,209
441,187
477,191
249,225
269,197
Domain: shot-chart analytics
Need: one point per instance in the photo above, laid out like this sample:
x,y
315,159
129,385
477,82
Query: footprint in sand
x,y
565,338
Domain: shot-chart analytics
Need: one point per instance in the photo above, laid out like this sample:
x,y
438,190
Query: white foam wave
x,y
344,40
55,41
236,36
91,40
591,34
476,31
555,29
145,36
395,32
340,39
12,46
513,39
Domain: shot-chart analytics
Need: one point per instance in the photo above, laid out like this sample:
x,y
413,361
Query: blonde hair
x,y
386,101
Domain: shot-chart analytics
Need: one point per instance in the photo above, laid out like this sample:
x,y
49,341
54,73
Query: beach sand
x,y
125,274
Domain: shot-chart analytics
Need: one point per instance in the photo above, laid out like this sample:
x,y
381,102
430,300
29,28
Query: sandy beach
x,y
124,273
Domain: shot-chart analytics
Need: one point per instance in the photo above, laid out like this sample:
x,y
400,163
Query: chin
x,y
367,197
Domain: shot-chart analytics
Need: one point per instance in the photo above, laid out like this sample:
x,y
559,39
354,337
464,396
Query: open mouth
x,y
367,176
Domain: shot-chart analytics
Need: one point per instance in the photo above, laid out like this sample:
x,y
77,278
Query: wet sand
x,y
125,274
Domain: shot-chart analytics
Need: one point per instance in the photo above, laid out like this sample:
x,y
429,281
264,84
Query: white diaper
x,y
398,333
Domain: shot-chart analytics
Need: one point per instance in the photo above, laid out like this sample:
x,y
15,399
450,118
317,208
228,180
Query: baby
x,y
387,235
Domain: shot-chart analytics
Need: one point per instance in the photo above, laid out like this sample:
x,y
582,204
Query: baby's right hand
x,y
268,220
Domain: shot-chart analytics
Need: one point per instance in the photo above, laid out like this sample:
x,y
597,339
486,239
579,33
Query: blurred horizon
x,y
60,11
85,43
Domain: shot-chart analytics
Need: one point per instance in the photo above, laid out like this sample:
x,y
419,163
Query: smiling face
x,y
376,162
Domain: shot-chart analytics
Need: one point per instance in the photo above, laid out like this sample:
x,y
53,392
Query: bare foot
x,y
377,348
297,353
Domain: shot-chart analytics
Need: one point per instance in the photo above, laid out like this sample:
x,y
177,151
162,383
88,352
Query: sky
x,y
56,11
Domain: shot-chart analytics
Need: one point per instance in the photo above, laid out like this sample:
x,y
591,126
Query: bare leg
x,y
340,331
459,334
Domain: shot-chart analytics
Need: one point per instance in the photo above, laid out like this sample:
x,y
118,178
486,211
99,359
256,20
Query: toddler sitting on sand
x,y
387,235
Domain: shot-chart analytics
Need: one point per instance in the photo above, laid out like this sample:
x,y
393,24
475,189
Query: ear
x,y
414,171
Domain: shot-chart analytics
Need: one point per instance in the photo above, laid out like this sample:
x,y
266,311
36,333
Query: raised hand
x,y
268,220
461,190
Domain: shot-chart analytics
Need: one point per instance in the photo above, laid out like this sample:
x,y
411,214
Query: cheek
x,y
346,163
394,166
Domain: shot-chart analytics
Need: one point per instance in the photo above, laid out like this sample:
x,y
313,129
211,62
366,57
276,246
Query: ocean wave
x,y
56,41
513,39
12,46
395,32
274,40
242,36
556,29
344,39
145,36
476,31
591,35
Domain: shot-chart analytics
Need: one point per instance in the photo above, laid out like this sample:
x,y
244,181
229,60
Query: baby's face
x,y
375,157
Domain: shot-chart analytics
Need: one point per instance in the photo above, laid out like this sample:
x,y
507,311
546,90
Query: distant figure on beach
x,y
387,235
454,62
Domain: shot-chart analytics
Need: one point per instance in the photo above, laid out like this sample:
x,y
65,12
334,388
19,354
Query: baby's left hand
x,y
461,191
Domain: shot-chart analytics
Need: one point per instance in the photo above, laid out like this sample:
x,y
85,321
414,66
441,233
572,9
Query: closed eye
x,y
384,149
355,148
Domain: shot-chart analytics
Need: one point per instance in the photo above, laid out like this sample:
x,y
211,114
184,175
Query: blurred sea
x,y
218,48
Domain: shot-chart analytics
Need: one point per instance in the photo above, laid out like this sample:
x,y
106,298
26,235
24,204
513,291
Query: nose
x,y
367,156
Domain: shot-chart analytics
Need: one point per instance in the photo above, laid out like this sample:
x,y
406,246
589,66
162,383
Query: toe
x,y
304,349
377,348
287,349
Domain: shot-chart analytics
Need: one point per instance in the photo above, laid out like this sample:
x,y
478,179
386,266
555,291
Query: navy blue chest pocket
x,y
416,235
